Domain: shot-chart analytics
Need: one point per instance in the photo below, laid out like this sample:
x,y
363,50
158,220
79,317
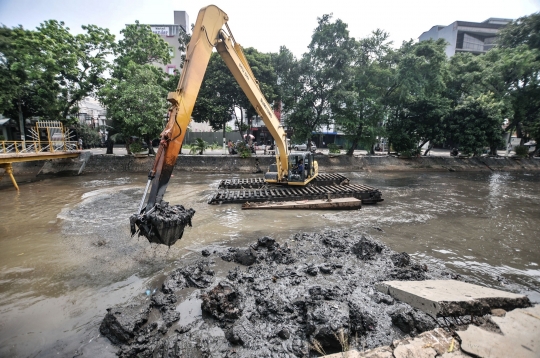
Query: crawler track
x,y
367,194
258,183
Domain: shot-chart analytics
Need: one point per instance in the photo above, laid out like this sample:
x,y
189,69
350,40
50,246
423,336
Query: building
x,y
94,116
465,36
170,34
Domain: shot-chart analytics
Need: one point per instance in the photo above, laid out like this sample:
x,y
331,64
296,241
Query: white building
x,y
465,36
170,34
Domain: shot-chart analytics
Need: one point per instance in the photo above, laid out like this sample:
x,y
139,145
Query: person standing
x,y
80,144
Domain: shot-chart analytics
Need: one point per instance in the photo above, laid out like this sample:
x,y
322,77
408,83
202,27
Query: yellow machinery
x,y
49,141
207,34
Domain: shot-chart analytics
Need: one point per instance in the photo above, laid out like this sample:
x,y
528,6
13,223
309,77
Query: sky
x,y
270,24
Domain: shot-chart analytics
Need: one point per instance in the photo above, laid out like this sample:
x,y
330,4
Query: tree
x,y
476,122
422,120
523,31
358,107
136,52
416,102
48,71
79,63
26,85
312,83
136,103
220,95
140,46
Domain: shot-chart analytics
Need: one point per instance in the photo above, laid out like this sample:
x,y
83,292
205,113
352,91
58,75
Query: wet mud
x,y
280,300
163,224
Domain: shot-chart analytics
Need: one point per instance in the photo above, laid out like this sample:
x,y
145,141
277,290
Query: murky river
x,y
66,253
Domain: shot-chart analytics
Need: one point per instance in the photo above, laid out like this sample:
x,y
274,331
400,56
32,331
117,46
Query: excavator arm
x,y
156,220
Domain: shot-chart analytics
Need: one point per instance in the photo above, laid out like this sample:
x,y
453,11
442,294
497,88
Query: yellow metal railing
x,y
33,146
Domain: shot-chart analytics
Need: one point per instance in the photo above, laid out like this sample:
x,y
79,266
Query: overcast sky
x,y
266,25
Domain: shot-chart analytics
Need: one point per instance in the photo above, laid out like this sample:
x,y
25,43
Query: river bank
x,y
233,164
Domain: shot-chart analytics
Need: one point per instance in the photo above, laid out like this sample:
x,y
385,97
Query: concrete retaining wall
x,y
234,164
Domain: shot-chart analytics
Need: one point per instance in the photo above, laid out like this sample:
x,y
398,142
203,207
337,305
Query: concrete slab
x,y
520,338
446,298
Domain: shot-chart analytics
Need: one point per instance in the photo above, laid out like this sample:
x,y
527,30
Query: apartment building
x,y
466,36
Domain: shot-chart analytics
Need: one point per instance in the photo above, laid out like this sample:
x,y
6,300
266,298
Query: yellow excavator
x,y
156,220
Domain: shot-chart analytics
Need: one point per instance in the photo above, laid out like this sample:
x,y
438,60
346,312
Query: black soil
x,y
163,224
280,301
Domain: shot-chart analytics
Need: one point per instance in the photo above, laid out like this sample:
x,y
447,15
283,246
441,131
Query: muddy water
x,y
67,255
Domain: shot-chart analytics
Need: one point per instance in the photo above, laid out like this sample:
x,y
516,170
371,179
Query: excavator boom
x,y
156,220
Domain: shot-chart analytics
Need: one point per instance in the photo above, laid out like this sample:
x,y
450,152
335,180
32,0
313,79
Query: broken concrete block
x,y
446,298
428,344
520,338
380,352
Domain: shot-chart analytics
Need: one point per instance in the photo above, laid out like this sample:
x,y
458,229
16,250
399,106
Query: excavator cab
x,y
302,168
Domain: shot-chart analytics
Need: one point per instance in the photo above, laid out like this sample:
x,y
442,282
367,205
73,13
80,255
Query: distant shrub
x,y
136,147
334,148
522,151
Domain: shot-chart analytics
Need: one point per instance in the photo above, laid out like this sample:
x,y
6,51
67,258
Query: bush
x,y
89,136
199,146
334,148
243,150
411,153
2,138
522,151
136,147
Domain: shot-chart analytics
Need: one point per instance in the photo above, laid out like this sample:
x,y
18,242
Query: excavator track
x,y
367,194
258,183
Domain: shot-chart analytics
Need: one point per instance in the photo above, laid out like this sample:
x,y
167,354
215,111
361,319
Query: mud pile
x,y
280,301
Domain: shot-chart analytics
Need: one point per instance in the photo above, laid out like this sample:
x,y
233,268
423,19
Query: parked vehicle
x,y
304,146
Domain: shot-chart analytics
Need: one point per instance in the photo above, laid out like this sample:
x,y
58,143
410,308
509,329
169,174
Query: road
x,y
121,150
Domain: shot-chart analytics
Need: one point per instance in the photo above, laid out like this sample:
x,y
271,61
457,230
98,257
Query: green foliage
x,y
333,148
523,31
228,129
183,42
89,136
522,151
243,150
136,103
140,46
417,107
199,146
220,94
309,85
358,106
46,72
136,147
476,122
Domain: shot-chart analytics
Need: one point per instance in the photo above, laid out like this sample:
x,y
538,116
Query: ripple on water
x,y
99,183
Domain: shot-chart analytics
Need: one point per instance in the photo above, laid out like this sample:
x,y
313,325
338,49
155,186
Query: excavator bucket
x,y
163,224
